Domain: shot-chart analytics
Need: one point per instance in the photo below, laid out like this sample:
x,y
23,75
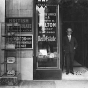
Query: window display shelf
x,y
10,49
10,63
11,76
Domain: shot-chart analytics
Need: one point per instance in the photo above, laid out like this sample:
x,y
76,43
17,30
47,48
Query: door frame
x,y
40,74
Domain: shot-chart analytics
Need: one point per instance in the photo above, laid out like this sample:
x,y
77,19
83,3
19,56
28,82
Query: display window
x,y
47,41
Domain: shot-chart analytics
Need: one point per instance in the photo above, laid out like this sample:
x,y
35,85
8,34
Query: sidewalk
x,y
71,84
51,84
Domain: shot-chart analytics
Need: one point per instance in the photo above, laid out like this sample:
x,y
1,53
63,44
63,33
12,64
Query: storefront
x,y
47,56
30,40
31,34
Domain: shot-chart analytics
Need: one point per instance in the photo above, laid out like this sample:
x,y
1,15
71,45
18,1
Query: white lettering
x,y
52,14
26,26
50,24
18,20
39,0
42,0
47,20
46,38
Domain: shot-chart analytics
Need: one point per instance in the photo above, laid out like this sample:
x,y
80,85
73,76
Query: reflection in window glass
x,y
47,39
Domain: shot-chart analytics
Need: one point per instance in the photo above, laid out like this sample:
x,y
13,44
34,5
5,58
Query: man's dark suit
x,y
69,50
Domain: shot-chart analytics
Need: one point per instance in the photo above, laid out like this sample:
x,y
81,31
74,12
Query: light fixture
x,y
76,1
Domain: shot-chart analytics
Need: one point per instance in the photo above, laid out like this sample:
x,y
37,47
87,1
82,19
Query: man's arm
x,y
76,44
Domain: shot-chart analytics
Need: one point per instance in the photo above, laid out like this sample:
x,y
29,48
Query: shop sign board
x,y
26,42
47,2
25,23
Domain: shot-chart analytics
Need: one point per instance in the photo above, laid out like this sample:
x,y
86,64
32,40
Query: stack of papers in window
x,y
43,52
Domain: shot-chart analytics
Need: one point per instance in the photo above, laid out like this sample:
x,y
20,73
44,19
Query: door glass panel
x,y
47,56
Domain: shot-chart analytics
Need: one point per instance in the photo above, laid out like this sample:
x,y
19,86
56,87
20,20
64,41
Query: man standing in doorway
x,y
69,46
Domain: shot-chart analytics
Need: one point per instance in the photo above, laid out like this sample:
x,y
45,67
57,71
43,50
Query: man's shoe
x,y
67,73
72,72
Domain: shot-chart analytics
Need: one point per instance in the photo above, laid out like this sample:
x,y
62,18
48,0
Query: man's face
x,y
69,31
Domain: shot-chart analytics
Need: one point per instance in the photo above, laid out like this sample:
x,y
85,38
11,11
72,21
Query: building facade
x,y
40,34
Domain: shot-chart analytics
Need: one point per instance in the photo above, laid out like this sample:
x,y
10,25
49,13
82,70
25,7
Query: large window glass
x,y
47,49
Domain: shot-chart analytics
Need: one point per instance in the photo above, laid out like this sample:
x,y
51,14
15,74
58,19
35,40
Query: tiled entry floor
x,y
80,73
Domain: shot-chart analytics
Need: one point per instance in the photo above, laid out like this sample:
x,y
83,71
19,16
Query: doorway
x,y
75,16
